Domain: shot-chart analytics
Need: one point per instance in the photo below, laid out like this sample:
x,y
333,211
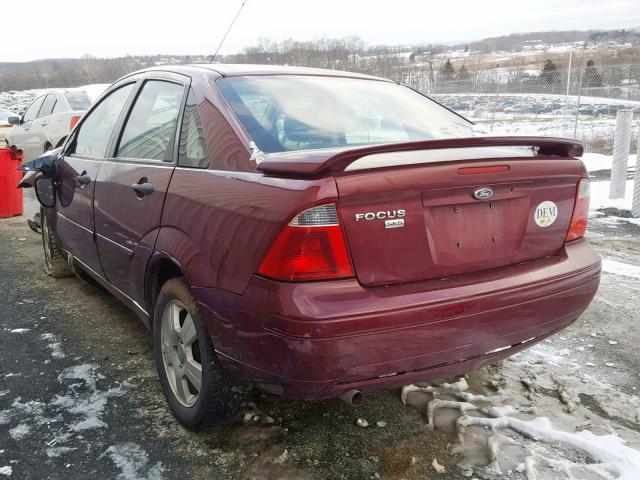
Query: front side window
x,y
192,152
294,112
96,129
32,112
152,121
47,106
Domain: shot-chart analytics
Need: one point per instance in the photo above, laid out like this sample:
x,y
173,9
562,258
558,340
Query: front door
x,y
78,172
21,135
131,186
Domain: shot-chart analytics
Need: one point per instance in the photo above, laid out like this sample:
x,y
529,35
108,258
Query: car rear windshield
x,y
78,99
295,112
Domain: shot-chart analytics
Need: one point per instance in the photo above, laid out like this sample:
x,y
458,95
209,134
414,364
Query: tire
x,y
55,261
181,343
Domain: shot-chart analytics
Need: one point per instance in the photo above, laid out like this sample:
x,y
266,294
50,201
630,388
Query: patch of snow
x,y
19,330
361,422
53,345
20,432
619,268
609,450
599,197
6,470
133,462
55,452
85,399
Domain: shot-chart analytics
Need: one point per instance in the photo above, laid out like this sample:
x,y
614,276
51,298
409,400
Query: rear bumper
x,y
317,340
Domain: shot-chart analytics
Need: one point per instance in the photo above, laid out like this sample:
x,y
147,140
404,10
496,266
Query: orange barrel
x,y
10,194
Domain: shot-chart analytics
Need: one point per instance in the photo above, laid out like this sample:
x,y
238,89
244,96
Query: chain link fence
x,y
580,103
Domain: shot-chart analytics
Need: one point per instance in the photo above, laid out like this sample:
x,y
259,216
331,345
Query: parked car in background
x,y
5,126
317,233
47,121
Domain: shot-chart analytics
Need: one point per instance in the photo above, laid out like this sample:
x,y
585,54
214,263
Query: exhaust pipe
x,y
353,397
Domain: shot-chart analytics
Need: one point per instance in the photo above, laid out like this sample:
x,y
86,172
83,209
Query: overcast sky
x,y
35,29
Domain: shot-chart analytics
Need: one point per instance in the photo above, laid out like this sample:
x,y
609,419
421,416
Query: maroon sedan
x,y
316,233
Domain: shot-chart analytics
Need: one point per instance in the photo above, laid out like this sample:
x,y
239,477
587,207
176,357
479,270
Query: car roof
x,y
237,69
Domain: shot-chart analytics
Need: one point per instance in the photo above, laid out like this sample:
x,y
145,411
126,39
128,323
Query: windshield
x,y
289,112
78,99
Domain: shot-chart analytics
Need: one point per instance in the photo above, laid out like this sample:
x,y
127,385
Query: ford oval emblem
x,y
484,193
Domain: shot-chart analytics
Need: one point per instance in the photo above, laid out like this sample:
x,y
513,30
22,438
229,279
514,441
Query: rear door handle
x,y
143,189
83,179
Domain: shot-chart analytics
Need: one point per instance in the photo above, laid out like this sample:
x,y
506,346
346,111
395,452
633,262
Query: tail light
x,y
74,121
580,215
311,247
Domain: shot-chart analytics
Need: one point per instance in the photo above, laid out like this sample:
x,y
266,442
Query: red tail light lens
x,y
580,215
74,121
311,247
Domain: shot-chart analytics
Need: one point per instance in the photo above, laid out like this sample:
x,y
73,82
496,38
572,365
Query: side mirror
x,y
45,191
13,120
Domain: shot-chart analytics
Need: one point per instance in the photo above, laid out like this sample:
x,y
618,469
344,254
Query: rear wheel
x,y
194,384
55,261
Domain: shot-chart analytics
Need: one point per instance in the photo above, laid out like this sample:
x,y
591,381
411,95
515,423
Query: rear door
x,y
37,138
79,171
132,184
444,218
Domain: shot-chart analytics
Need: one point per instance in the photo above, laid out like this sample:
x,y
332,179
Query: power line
x,y
228,30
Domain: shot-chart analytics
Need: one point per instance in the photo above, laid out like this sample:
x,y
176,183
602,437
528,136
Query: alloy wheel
x,y
181,353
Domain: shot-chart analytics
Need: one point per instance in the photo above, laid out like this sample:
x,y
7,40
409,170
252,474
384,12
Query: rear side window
x,y
192,151
152,121
78,99
48,105
96,129
60,107
32,111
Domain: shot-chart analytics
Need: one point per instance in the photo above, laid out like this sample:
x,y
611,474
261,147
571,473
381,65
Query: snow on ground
x,y
133,462
619,268
600,196
80,408
598,161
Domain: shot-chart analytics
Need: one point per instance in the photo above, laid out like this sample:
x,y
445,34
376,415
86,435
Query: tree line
x,y
351,53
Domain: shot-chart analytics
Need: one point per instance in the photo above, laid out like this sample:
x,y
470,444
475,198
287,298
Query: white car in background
x,y
5,126
47,121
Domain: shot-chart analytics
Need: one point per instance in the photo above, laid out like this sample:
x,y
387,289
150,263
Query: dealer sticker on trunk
x,y
545,214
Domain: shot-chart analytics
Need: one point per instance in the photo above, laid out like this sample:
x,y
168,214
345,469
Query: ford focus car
x,y
316,233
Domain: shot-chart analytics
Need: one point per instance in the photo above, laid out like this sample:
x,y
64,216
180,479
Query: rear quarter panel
x,y
218,225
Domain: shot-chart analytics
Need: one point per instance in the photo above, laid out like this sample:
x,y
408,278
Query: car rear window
x,y
78,99
295,112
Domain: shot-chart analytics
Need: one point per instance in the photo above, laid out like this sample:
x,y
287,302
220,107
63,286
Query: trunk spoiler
x,y
312,162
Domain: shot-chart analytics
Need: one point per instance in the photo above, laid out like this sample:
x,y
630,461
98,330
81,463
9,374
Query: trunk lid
x,y
422,221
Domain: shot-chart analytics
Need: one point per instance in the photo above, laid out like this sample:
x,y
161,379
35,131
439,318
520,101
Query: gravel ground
x,y
79,396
